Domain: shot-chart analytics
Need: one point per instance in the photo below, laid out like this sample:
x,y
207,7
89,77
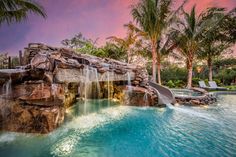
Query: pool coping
x,y
205,98
216,93
189,97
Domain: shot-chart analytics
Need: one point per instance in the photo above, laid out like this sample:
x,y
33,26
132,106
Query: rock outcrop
x,y
19,117
34,97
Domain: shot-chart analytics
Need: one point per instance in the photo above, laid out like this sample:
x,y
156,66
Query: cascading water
x,y
91,84
108,85
7,89
88,89
145,98
170,106
129,82
87,83
54,90
110,76
98,89
112,83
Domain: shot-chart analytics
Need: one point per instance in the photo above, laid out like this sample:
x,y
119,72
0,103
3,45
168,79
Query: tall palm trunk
x,y
190,73
159,68
154,62
209,64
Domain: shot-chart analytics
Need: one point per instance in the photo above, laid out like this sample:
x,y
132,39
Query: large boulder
x,y
41,61
138,96
31,119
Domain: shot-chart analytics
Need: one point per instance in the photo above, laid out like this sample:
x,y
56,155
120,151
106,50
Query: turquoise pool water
x,y
105,129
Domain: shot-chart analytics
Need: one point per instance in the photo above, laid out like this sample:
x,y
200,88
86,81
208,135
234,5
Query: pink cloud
x,y
203,4
101,21
93,18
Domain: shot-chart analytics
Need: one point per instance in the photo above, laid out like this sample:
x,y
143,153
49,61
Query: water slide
x,y
165,96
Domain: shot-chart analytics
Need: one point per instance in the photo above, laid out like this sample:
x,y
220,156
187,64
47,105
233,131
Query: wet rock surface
x,y
137,96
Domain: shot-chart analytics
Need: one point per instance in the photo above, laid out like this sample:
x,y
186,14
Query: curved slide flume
x,y
165,96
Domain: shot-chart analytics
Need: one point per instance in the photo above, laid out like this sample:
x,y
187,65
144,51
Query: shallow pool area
x,y
102,128
185,93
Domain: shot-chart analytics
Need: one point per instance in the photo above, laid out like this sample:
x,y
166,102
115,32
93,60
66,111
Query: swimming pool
x,y
103,128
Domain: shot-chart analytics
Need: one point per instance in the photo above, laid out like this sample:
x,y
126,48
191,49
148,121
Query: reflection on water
x,y
136,132
84,124
90,106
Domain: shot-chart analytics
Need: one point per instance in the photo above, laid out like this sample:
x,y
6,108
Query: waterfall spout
x,y
91,86
7,88
145,98
129,82
110,76
54,90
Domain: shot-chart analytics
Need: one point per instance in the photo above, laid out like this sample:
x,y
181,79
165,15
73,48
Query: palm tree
x,y
17,10
187,37
153,18
216,41
127,42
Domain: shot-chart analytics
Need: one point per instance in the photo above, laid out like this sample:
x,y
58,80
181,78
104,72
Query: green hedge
x,y
176,77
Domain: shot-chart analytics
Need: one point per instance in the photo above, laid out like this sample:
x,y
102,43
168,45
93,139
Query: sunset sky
x,y
94,18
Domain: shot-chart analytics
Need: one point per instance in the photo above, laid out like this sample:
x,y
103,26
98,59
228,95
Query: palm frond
x,y
17,10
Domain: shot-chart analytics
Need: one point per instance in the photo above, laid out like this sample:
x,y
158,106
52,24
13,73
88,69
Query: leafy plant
x,y
227,76
195,81
170,84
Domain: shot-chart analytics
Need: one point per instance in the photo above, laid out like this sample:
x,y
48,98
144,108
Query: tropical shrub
x,y
231,87
195,81
170,84
227,76
174,73
175,84
227,62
